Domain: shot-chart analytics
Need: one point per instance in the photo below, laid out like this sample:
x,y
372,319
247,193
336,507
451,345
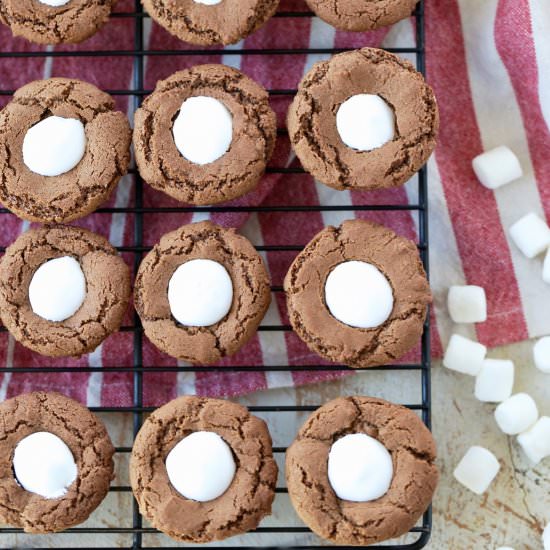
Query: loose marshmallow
x,y
467,304
535,442
464,355
517,414
203,129
497,167
477,469
201,466
365,122
495,380
531,235
546,268
360,468
57,289
358,294
43,464
54,146
541,354
200,293
546,537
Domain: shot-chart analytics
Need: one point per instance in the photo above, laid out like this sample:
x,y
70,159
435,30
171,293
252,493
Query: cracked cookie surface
x,y
107,290
81,190
414,481
250,495
251,292
398,260
89,442
312,127
43,24
224,23
362,15
236,172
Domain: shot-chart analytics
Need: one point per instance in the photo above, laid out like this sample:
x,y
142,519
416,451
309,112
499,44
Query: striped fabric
x,y
489,63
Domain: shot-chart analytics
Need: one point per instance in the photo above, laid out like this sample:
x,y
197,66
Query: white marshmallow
x,y
365,122
43,464
358,294
541,354
546,268
505,548
497,167
531,235
57,289
200,293
477,469
201,466
535,442
54,146
546,537
517,414
467,304
495,380
464,355
203,129
208,2
54,3
360,468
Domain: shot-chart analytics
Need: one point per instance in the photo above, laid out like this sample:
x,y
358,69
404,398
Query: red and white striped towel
x,y
489,63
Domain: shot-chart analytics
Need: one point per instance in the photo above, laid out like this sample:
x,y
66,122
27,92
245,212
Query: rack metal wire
x,y
136,531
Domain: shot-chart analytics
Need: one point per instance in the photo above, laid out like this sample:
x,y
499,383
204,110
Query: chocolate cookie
x,y
55,21
66,128
211,21
63,290
242,132
250,492
364,119
84,443
413,481
378,294
362,15
206,318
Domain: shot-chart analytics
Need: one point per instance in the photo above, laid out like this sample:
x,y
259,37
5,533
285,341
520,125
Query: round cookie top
x,y
195,342
23,418
413,482
211,21
48,116
239,508
312,302
324,96
170,118
33,317
55,21
361,15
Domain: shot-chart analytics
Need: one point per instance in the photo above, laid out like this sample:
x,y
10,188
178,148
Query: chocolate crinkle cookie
x,y
55,21
63,149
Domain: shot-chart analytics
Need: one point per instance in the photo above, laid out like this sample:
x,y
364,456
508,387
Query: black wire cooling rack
x,y
265,536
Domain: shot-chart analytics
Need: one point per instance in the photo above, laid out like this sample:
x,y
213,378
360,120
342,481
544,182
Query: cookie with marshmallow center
x,y
358,294
55,462
361,470
203,469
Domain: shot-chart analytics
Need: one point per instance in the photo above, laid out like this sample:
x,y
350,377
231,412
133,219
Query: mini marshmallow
x,y
200,293
495,380
517,414
43,464
464,355
365,122
360,468
467,304
546,537
541,354
203,129
535,442
201,466
358,294
497,167
531,235
57,289
477,469
546,268
54,146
